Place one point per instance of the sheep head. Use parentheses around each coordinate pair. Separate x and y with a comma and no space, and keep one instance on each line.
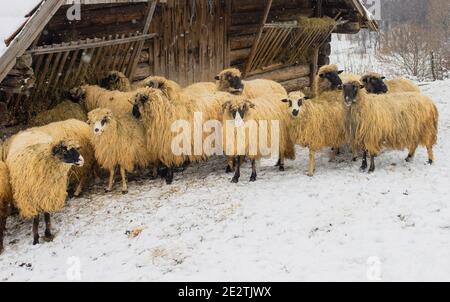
(230,80)
(295,101)
(67,154)
(374,83)
(351,91)
(143,100)
(328,77)
(238,109)
(99,119)
(77,94)
(112,80)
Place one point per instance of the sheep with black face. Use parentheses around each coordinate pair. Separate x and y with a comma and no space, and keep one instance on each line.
(115,80)
(230,80)
(38,177)
(377,84)
(327,79)
(395,121)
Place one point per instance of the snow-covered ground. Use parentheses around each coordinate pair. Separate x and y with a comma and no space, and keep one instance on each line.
(339,225)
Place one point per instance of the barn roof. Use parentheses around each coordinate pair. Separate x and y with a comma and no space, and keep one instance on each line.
(24,20)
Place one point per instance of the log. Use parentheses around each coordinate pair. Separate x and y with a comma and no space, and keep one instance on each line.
(283,74)
(296,84)
(241,42)
(252,5)
(240,54)
(274,16)
(142,71)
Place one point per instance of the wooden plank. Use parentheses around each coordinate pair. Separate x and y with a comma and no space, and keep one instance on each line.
(258,36)
(29,33)
(148,21)
(95,44)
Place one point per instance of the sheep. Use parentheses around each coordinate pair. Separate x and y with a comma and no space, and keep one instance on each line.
(200,88)
(63,111)
(246,112)
(5,200)
(73,130)
(327,79)
(316,123)
(375,83)
(395,121)
(115,80)
(158,114)
(118,140)
(94,97)
(38,176)
(230,80)
(170,88)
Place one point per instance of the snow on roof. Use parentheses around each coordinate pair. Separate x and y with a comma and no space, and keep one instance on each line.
(12,16)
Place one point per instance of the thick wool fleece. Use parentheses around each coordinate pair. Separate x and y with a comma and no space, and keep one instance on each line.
(38,180)
(170,88)
(394,85)
(61,112)
(268,108)
(121,143)
(394,121)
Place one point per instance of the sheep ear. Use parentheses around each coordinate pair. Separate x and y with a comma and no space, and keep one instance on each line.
(285,100)
(362,86)
(307,98)
(250,104)
(383,78)
(217,78)
(321,75)
(340,71)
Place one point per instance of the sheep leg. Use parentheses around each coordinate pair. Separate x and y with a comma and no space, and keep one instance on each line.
(36,229)
(372,163)
(312,163)
(230,165)
(48,227)
(154,174)
(169,176)
(280,163)
(97,178)
(253,176)
(123,174)
(333,154)
(364,161)
(430,154)
(112,173)
(237,172)
(412,152)
(79,189)
(2,230)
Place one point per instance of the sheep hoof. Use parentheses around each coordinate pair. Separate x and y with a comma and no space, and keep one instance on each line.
(430,161)
(253,178)
(281,168)
(354,159)
(371,170)
(235,180)
(48,238)
(108,190)
(35,241)
(169,181)
(228,170)
(408,159)
(124,192)
(310,174)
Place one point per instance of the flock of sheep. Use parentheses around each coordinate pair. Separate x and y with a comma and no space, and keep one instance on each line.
(129,126)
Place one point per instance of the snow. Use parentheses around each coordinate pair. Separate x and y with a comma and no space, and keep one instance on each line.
(340,225)
(12,16)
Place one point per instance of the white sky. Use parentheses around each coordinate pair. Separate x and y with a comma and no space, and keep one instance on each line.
(12,14)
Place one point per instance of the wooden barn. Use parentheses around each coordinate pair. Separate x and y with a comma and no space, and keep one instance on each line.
(61,45)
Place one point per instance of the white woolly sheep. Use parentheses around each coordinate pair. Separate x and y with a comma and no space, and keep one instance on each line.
(118,140)
(38,178)
(316,124)
(249,115)
(376,83)
(395,121)
(230,80)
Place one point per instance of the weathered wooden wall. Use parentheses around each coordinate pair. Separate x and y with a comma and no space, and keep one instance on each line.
(191,44)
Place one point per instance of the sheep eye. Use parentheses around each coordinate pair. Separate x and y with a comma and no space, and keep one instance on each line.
(104,121)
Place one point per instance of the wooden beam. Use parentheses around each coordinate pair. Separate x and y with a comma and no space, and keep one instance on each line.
(258,37)
(95,44)
(29,33)
(148,21)
(315,56)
